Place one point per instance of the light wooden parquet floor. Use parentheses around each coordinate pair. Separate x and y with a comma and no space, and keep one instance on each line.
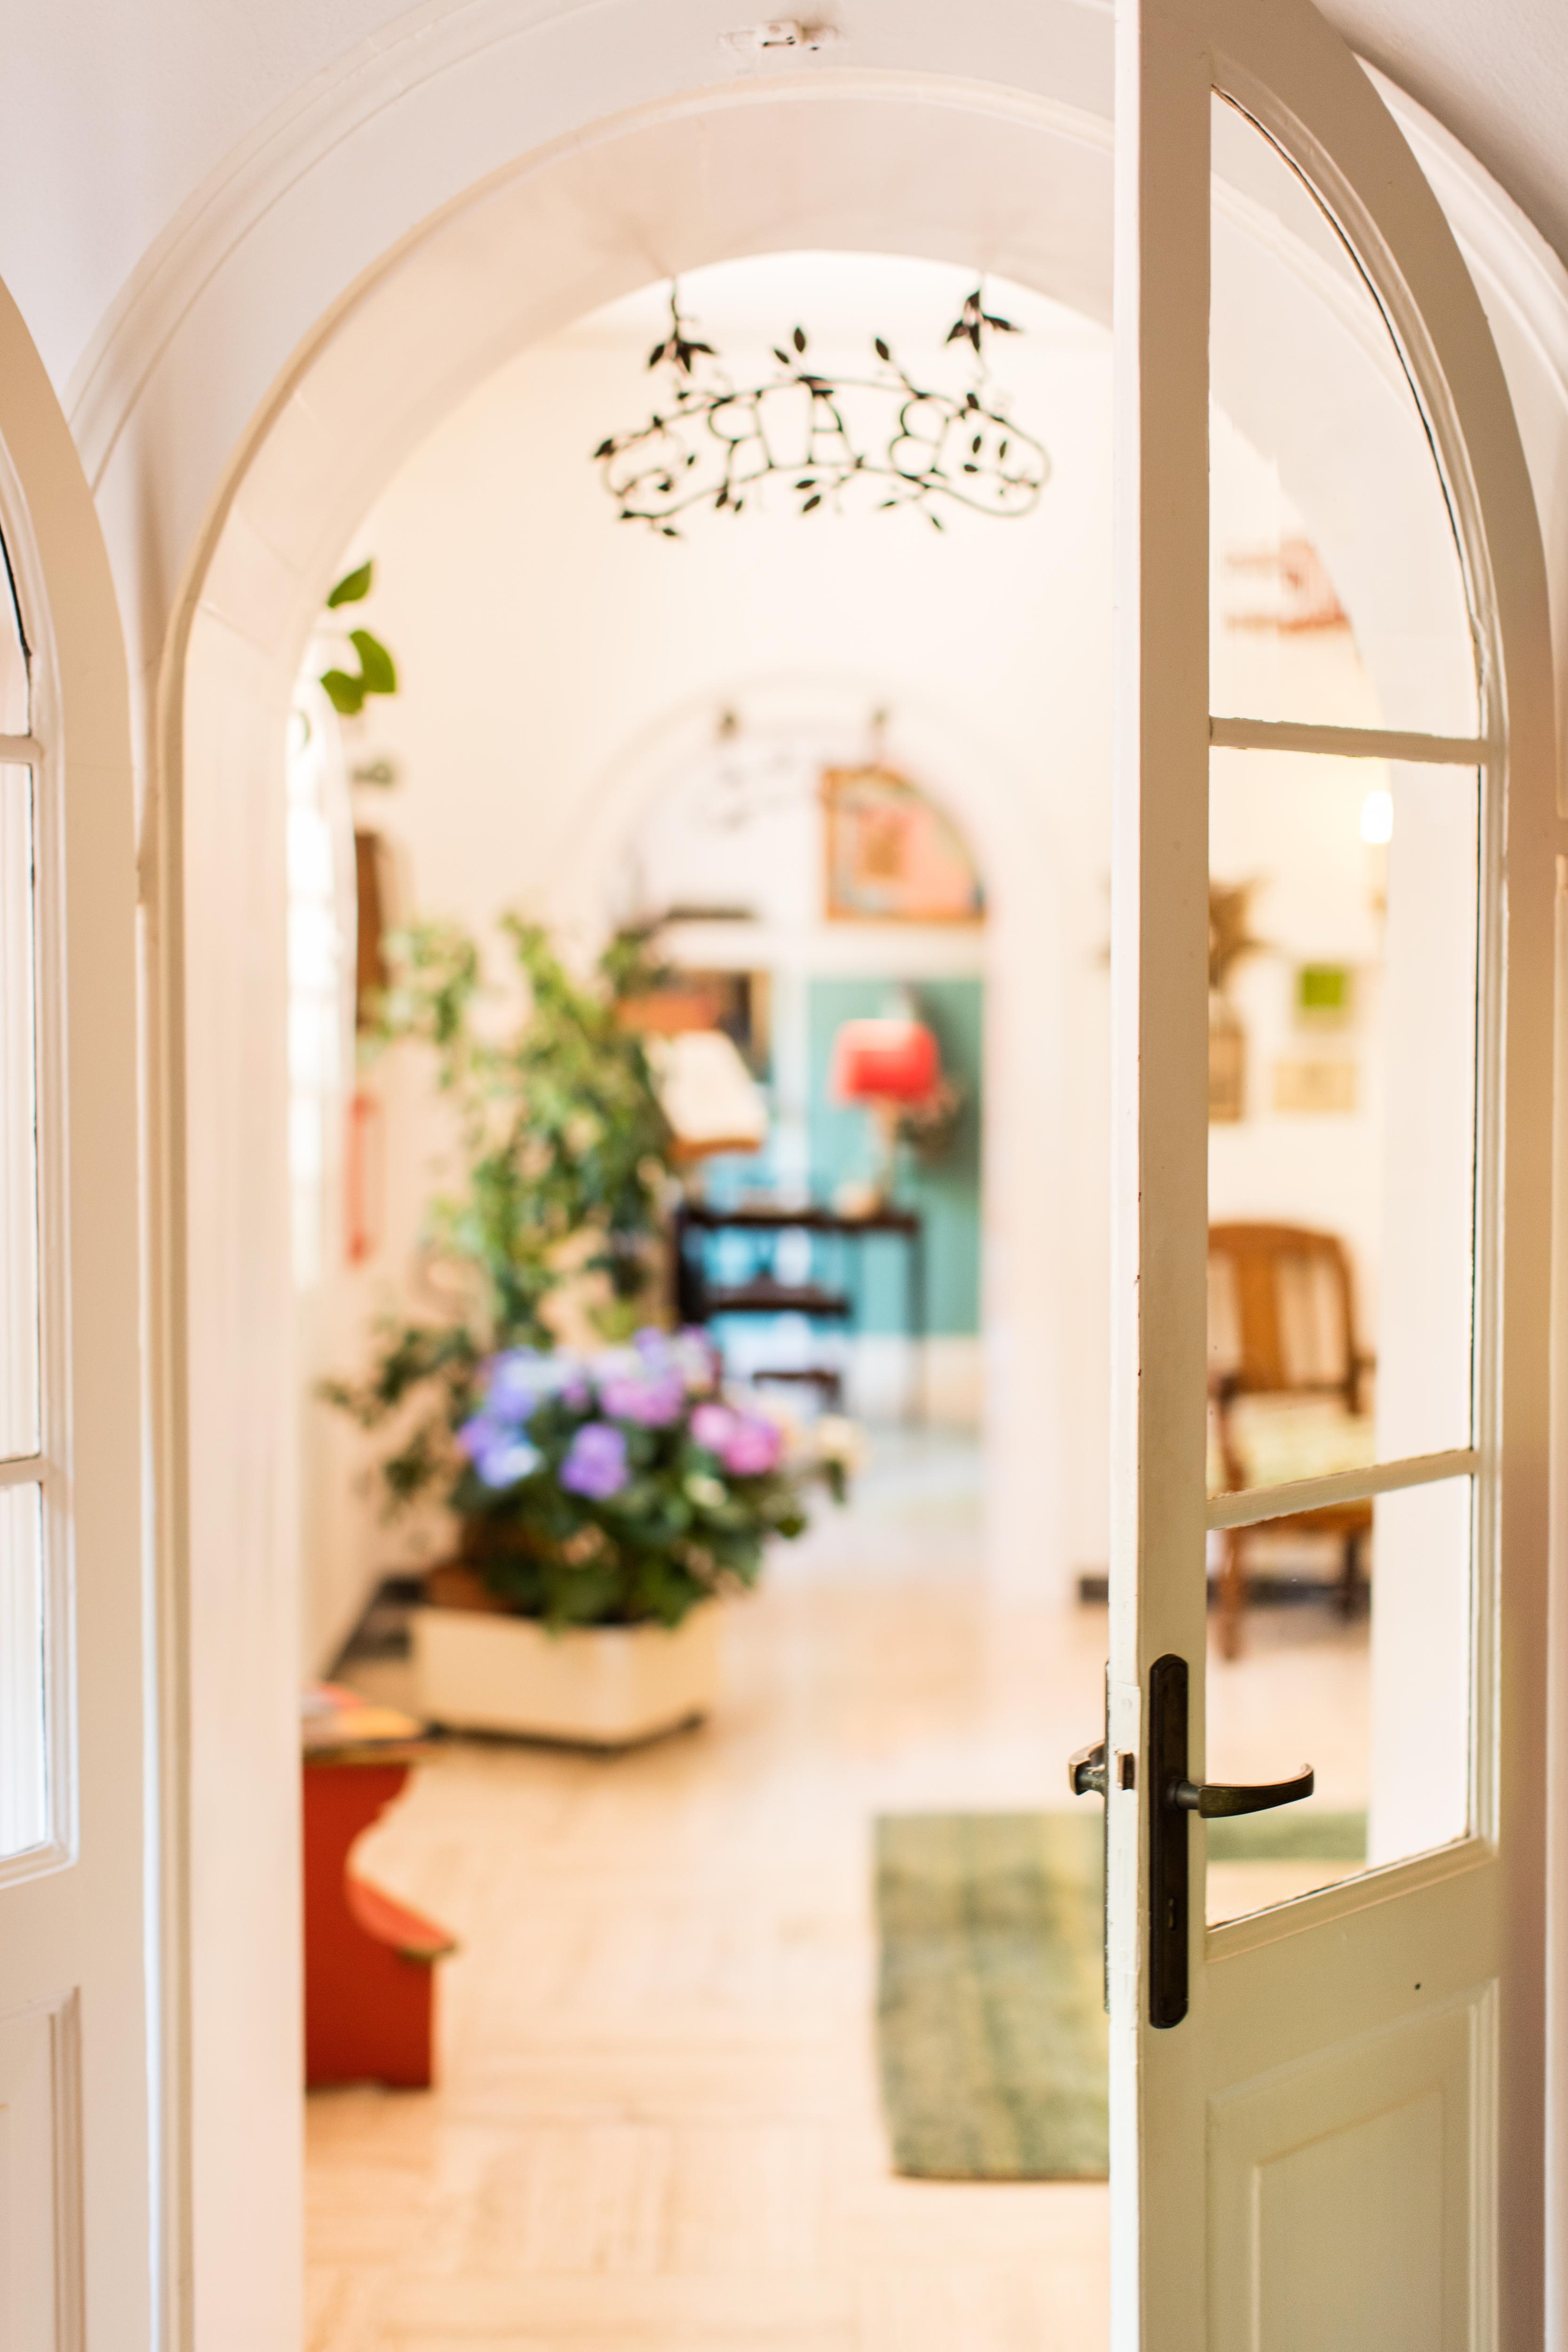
(657,2128)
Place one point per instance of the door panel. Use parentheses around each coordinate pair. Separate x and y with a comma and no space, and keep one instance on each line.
(1359,2027)
(39,2311)
(1339,2195)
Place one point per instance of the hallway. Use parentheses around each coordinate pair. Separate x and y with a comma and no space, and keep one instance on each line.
(658,2123)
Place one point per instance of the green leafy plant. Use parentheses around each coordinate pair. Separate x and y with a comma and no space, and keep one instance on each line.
(349,691)
(565,1156)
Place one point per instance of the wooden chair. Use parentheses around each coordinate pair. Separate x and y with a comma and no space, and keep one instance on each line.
(1281,1328)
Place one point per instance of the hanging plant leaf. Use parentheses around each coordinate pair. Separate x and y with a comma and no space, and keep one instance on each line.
(881,347)
(606,448)
(378,667)
(352,587)
(346,694)
(798,339)
(815,500)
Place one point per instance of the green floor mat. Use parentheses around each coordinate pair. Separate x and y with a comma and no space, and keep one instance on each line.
(990,2032)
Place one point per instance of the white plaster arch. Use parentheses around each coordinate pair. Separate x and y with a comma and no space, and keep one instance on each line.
(974,780)
(1033,883)
(301,327)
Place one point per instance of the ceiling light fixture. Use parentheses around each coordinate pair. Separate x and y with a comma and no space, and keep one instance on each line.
(714,443)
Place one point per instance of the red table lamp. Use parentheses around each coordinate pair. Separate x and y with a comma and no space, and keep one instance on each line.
(887,1064)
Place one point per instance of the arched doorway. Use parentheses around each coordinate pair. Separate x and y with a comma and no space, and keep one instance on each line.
(250,600)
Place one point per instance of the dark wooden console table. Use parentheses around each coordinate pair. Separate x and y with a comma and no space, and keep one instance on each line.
(699,1300)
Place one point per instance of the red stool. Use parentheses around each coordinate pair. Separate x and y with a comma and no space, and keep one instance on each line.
(370,1974)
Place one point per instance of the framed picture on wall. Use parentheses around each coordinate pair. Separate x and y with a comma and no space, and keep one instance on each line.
(892,856)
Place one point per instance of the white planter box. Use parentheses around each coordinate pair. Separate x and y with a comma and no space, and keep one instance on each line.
(601,1685)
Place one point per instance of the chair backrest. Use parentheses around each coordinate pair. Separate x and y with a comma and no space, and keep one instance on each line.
(1281,1312)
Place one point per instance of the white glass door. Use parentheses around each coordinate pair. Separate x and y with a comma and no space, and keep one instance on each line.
(1332,976)
(76,2202)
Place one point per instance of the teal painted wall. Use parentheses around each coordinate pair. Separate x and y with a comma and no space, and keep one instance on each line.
(947,1193)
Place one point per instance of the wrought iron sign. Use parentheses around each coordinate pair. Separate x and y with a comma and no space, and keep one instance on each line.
(714,442)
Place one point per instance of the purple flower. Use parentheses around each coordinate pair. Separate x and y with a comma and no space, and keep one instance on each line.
(509,1463)
(500,1455)
(653,1346)
(713,1425)
(480,1435)
(652,1399)
(519,1379)
(596,1464)
(753,1448)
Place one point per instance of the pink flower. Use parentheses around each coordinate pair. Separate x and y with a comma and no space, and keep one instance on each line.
(713,1425)
(653,1400)
(754,1448)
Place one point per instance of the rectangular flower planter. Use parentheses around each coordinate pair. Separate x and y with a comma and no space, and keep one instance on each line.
(595,1686)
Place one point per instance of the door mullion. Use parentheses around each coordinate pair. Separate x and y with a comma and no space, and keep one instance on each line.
(1412,750)
(1160,1103)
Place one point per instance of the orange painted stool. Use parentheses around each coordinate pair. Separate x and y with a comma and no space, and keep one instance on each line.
(370,1961)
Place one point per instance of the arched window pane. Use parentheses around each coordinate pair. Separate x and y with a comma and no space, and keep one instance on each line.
(15,714)
(23,1713)
(19,1378)
(1336,593)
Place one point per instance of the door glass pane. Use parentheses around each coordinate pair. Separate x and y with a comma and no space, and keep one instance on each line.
(15,699)
(1341,1112)
(1344,899)
(24,1719)
(18,1123)
(1336,591)
(1353,1656)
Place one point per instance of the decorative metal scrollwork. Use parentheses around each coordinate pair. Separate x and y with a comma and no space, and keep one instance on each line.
(714,442)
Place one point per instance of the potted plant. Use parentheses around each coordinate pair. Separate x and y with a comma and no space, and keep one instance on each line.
(606,1500)
(605,1495)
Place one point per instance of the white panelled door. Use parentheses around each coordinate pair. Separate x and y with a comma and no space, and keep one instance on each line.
(75,2174)
(1327,2113)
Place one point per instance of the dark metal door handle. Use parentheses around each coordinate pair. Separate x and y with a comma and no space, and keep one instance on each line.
(1171,1797)
(1213,1800)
